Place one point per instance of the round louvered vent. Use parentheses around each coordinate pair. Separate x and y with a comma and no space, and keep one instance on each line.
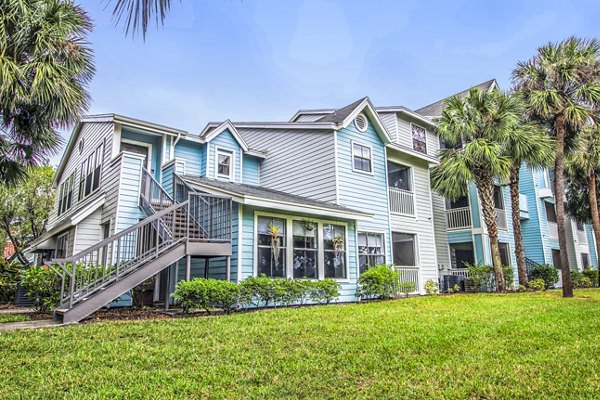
(361,122)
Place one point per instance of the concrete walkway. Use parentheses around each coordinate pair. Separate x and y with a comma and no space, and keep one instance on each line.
(17,310)
(40,323)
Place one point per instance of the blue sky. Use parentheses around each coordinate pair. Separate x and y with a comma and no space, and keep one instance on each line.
(262,60)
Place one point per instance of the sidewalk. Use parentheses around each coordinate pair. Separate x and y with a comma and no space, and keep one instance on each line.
(40,323)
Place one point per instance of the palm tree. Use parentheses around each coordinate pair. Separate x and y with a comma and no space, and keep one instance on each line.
(138,13)
(526,144)
(45,66)
(482,121)
(559,84)
(582,166)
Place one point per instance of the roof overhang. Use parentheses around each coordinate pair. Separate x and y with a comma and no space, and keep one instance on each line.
(365,106)
(412,114)
(311,112)
(265,202)
(207,135)
(415,154)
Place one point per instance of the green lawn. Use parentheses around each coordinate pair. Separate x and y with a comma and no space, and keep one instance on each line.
(6,318)
(465,346)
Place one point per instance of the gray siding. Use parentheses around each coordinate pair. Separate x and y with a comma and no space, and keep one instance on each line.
(404,136)
(441,233)
(300,162)
(88,232)
(390,121)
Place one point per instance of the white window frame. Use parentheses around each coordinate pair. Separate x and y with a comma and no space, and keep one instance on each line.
(226,152)
(370,232)
(353,142)
(412,138)
(148,165)
(415,248)
(361,115)
(289,245)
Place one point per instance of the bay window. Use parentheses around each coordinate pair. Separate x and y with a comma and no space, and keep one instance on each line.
(271,252)
(305,264)
(370,250)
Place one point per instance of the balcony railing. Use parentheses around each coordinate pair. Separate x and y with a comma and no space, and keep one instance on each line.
(553,230)
(402,201)
(458,218)
(409,274)
(501,219)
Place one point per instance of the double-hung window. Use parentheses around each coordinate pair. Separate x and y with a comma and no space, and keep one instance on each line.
(334,239)
(224,164)
(65,199)
(61,246)
(305,264)
(271,252)
(89,177)
(419,137)
(370,250)
(361,158)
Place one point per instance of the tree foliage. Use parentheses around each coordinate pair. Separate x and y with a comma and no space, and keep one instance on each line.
(24,208)
(45,66)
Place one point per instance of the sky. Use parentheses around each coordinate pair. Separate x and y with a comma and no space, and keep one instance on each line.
(252,60)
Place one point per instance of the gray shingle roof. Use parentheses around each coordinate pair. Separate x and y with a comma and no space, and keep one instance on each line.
(339,115)
(265,193)
(435,109)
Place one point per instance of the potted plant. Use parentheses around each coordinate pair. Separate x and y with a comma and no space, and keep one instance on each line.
(309,225)
(338,245)
(275,242)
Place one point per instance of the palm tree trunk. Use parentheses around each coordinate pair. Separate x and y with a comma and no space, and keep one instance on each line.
(486,194)
(516,218)
(594,209)
(559,193)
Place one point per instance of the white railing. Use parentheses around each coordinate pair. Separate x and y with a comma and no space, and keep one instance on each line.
(501,219)
(581,237)
(458,218)
(553,230)
(409,274)
(402,201)
(459,272)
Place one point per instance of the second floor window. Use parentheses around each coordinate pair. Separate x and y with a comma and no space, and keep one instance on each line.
(498,198)
(399,177)
(65,199)
(361,158)
(89,177)
(224,164)
(550,212)
(419,137)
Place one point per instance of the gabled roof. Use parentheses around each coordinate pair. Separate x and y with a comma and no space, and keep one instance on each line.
(435,109)
(317,112)
(407,111)
(209,133)
(264,197)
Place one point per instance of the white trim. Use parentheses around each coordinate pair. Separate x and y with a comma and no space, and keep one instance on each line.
(410,152)
(116,144)
(352,143)
(416,247)
(206,173)
(336,167)
(366,120)
(241,167)
(141,144)
(240,241)
(373,232)
(227,125)
(219,150)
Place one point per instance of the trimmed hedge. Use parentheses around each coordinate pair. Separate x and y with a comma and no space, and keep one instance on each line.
(547,273)
(380,282)
(259,291)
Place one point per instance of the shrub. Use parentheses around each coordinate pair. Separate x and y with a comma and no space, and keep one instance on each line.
(522,288)
(407,287)
(585,282)
(9,277)
(592,275)
(380,282)
(207,294)
(291,291)
(480,275)
(43,287)
(509,276)
(257,290)
(576,277)
(546,272)
(537,284)
(325,291)
(431,287)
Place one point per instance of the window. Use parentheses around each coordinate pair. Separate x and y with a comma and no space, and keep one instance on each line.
(461,202)
(80,146)
(462,254)
(65,199)
(399,176)
(224,164)
(61,245)
(585,260)
(361,157)
(556,261)
(580,227)
(334,245)
(498,198)
(305,264)
(370,250)
(504,254)
(550,212)
(361,123)
(404,249)
(89,177)
(270,263)
(419,137)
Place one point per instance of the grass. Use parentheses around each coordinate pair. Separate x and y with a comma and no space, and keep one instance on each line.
(461,347)
(6,318)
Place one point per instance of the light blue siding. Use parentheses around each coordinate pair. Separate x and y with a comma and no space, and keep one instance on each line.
(592,245)
(128,210)
(193,154)
(155,141)
(251,170)
(531,227)
(224,141)
(460,236)
(167,178)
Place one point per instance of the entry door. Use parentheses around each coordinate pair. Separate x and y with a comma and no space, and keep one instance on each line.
(137,149)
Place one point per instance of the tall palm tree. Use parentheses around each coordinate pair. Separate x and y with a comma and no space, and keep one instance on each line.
(559,84)
(137,14)
(45,66)
(527,144)
(583,164)
(481,120)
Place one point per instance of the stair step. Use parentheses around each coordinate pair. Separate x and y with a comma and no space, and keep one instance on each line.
(61,311)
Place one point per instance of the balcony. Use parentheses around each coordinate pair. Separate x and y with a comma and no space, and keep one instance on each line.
(401,201)
(501,221)
(552,230)
(458,218)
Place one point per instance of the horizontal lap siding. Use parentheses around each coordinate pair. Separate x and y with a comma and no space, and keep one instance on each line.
(390,121)
(93,134)
(463,236)
(88,231)
(404,136)
(441,233)
(531,227)
(225,141)
(250,170)
(154,141)
(110,185)
(128,211)
(298,162)
(592,245)
(167,178)
(194,156)
(508,235)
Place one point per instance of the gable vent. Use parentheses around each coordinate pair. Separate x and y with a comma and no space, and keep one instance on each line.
(361,122)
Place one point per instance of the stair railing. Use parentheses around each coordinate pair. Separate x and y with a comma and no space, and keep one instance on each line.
(110,260)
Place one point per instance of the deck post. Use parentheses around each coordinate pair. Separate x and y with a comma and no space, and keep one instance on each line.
(188,267)
(167,286)
(228,268)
